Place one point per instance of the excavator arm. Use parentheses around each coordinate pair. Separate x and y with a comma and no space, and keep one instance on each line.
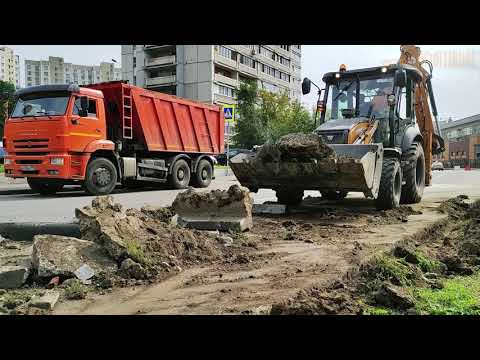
(433,142)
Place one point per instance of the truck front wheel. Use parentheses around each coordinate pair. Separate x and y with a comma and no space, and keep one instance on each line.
(180,176)
(44,186)
(390,185)
(101,177)
(413,174)
(203,176)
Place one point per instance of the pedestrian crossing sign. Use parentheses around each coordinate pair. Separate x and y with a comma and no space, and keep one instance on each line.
(229,113)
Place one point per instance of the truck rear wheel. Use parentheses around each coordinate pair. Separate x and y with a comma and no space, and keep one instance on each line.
(289,196)
(101,177)
(413,174)
(203,176)
(334,195)
(390,185)
(180,177)
(44,186)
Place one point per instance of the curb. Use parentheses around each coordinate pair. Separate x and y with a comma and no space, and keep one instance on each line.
(26,231)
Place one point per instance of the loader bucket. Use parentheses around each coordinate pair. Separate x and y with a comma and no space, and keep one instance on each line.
(354,168)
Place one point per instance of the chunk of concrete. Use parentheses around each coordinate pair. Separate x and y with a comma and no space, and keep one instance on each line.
(14,276)
(221,210)
(45,302)
(271,209)
(15,264)
(55,255)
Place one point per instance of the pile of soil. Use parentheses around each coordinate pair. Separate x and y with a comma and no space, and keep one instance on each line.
(296,146)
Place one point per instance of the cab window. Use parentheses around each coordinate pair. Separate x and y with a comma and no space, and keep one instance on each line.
(92,107)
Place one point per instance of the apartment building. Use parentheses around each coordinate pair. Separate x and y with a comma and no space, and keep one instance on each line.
(211,73)
(9,66)
(56,71)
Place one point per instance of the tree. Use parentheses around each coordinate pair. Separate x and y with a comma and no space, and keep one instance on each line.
(6,101)
(267,116)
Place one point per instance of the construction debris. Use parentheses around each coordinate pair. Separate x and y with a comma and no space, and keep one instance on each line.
(15,264)
(47,301)
(222,210)
(55,255)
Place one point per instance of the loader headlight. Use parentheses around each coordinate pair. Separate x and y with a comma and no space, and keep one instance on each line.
(391,99)
(8,162)
(56,161)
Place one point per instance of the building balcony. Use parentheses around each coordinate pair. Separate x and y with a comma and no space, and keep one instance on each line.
(161,80)
(226,80)
(248,70)
(222,99)
(161,61)
(151,47)
(229,63)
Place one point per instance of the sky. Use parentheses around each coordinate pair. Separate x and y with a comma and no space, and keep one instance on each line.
(455,84)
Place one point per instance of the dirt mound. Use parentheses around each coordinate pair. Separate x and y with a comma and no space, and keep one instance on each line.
(454,207)
(146,237)
(296,146)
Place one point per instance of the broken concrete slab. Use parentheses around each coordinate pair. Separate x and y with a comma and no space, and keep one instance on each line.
(221,210)
(14,276)
(45,302)
(55,255)
(15,264)
(271,209)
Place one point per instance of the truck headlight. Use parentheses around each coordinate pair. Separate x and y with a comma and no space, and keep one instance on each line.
(56,161)
(8,161)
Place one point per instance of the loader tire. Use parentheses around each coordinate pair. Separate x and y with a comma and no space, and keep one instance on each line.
(390,185)
(203,175)
(334,195)
(44,186)
(413,174)
(101,177)
(180,177)
(289,196)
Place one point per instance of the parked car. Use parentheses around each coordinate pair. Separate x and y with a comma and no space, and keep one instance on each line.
(437,165)
(222,158)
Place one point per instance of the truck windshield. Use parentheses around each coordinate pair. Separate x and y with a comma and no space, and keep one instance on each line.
(40,105)
(371,96)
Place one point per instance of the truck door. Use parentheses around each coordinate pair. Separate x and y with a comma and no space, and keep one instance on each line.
(84,130)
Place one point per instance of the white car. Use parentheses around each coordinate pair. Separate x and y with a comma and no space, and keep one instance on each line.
(437,165)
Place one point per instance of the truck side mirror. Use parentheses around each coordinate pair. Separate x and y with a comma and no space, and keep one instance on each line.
(306,85)
(83,106)
(400,79)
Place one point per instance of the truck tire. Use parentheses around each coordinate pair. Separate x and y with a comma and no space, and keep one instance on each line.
(180,177)
(44,186)
(334,195)
(390,185)
(413,174)
(289,196)
(101,177)
(203,175)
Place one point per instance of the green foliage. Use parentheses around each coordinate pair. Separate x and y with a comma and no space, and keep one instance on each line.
(266,116)
(372,310)
(459,296)
(1,168)
(6,99)
(428,265)
(75,290)
(135,252)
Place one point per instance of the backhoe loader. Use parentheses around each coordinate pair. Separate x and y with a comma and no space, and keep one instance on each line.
(378,124)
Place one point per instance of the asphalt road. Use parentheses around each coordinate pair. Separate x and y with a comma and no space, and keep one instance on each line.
(18,204)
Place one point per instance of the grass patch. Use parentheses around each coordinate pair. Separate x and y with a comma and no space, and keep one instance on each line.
(372,310)
(385,268)
(460,296)
(428,265)
(2,169)
(75,290)
(135,252)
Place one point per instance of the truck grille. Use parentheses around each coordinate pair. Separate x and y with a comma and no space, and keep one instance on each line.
(28,162)
(30,143)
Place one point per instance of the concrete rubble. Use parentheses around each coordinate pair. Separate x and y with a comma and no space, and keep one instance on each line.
(15,264)
(45,302)
(55,255)
(222,210)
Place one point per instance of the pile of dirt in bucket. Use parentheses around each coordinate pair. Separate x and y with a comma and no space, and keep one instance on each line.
(296,146)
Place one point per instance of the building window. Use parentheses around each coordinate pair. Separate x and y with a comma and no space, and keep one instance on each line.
(225,52)
(285,47)
(245,60)
(226,91)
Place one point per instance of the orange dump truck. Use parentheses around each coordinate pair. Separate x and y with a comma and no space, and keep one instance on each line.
(101,135)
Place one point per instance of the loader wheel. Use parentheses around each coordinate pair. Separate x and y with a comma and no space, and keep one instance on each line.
(390,185)
(413,174)
(203,176)
(101,177)
(289,196)
(334,195)
(44,186)
(180,177)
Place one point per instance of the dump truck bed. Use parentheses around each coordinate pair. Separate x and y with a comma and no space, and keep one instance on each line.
(163,122)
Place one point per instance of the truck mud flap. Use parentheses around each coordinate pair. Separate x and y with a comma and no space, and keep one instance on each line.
(355,168)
